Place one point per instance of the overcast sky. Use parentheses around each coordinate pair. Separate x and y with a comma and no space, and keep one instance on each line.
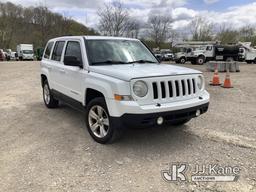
(236,13)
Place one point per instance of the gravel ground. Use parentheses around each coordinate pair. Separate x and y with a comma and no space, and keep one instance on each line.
(50,150)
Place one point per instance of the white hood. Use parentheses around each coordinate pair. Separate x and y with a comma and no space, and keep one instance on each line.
(132,71)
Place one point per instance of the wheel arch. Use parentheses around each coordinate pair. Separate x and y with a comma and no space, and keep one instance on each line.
(43,78)
(91,93)
(201,55)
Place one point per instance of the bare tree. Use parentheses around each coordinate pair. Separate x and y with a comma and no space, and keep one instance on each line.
(227,34)
(132,28)
(247,33)
(200,29)
(159,28)
(113,19)
(10,15)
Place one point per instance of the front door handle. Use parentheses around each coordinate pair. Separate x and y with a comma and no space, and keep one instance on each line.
(62,70)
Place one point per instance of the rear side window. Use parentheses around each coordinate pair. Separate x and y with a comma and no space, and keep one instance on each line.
(48,50)
(74,49)
(56,55)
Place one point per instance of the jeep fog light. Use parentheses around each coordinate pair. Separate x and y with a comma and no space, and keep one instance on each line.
(140,88)
(160,120)
(198,113)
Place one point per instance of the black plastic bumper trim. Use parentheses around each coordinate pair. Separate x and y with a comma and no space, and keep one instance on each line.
(147,120)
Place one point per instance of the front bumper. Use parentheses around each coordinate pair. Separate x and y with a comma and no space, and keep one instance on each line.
(148,120)
(119,108)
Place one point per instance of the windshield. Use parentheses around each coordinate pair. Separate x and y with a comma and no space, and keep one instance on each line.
(118,52)
(27,51)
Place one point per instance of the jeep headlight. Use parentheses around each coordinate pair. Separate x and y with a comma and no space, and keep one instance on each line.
(140,88)
(200,82)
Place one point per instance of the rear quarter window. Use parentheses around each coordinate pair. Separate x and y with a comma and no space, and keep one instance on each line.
(48,50)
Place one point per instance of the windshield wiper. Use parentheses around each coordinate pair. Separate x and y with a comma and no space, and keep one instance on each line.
(109,62)
(142,61)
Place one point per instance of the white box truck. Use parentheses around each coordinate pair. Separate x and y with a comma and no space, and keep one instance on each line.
(25,52)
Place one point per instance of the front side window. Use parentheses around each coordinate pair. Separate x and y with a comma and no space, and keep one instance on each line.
(118,52)
(48,50)
(74,50)
(56,55)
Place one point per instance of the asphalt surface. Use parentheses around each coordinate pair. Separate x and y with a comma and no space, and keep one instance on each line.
(51,150)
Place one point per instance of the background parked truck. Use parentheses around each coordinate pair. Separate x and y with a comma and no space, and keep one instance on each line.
(214,53)
(187,47)
(25,52)
(247,53)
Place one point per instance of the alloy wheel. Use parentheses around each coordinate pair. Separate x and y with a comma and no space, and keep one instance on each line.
(98,121)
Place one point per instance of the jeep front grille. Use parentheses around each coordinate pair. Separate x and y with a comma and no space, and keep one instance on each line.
(174,88)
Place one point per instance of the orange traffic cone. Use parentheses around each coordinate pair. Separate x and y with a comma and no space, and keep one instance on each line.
(227,82)
(216,79)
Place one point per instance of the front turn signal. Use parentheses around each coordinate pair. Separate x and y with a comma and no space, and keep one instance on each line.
(122,97)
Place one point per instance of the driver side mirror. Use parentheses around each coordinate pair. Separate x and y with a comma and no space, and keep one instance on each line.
(72,61)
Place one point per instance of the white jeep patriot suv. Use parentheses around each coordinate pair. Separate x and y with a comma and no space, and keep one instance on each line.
(119,83)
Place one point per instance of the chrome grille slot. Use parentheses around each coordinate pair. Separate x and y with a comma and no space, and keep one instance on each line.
(183,87)
(163,89)
(177,88)
(194,85)
(180,88)
(155,92)
(189,86)
(170,89)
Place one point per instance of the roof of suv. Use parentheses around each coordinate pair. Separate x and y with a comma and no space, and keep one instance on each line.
(96,37)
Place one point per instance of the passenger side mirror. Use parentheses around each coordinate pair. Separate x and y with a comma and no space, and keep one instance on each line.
(72,61)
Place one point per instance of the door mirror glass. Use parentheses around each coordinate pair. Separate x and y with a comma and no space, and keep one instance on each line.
(73,55)
(72,61)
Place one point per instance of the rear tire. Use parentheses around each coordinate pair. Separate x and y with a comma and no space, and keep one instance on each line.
(49,100)
(99,123)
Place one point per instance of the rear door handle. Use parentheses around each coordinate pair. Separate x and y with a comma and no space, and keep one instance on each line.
(49,67)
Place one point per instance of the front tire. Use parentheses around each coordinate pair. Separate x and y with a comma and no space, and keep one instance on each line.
(200,60)
(182,60)
(49,100)
(99,123)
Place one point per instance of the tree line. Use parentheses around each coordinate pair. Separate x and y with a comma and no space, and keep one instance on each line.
(202,30)
(115,20)
(34,25)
